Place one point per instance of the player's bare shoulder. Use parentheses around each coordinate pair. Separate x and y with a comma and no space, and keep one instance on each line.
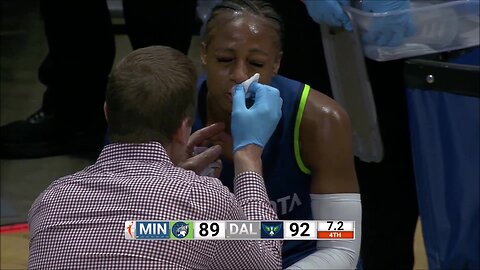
(322,111)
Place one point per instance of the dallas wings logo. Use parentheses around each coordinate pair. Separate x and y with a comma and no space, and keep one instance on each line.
(272,230)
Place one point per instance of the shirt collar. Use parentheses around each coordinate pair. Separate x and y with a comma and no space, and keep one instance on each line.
(149,152)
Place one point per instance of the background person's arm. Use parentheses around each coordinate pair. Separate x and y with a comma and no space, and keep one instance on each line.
(329,12)
(384,30)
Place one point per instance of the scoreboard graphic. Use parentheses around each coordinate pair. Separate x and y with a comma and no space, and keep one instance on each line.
(239,230)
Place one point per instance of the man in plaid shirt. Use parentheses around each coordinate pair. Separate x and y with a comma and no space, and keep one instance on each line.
(146,174)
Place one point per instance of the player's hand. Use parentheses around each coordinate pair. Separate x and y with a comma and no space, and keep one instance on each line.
(202,138)
(256,124)
(388,30)
(329,12)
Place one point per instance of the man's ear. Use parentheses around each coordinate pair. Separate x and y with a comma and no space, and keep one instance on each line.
(105,110)
(203,54)
(183,132)
(276,64)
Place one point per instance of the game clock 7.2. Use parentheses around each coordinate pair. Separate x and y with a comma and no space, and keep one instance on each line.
(335,225)
(335,229)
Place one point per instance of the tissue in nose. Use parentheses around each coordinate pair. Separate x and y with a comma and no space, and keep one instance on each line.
(246,84)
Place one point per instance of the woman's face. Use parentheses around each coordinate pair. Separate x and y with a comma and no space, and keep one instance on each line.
(237,49)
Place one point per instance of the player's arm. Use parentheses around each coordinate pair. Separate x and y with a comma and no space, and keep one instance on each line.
(326,149)
(326,146)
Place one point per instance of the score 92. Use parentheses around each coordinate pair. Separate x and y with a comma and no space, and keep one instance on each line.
(209,230)
(300,230)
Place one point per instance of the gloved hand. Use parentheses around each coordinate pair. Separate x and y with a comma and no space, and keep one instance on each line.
(388,30)
(329,12)
(255,125)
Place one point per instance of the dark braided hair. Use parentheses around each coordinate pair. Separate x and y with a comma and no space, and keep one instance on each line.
(236,7)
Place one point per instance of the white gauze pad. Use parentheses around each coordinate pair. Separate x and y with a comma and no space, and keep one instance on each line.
(246,84)
(210,169)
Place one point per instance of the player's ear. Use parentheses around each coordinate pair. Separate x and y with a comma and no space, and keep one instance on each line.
(203,54)
(182,134)
(105,110)
(276,63)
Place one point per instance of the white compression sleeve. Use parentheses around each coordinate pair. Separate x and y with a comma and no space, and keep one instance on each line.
(335,254)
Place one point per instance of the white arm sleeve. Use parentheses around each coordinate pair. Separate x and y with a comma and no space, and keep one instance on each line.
(335,254)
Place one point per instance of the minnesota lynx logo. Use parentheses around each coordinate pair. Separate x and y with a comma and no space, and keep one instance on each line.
(182,230)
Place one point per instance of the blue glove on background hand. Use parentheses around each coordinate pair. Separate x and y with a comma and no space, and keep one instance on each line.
(329,12)
(389,30)
(255,125)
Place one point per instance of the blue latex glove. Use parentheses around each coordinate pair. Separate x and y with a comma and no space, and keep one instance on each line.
(329,12)
(389,30)
(255,125)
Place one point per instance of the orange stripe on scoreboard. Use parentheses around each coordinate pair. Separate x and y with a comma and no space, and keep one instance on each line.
(334,235)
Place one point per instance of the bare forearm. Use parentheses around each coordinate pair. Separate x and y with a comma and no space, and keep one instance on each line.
(248,159)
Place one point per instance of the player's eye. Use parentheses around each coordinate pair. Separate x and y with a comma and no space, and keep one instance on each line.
(224,59)
(256,64)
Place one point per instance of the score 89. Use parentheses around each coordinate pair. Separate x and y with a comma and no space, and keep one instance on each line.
(204,229)
(209,229)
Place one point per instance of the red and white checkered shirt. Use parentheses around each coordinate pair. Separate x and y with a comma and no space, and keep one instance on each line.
(78,221)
